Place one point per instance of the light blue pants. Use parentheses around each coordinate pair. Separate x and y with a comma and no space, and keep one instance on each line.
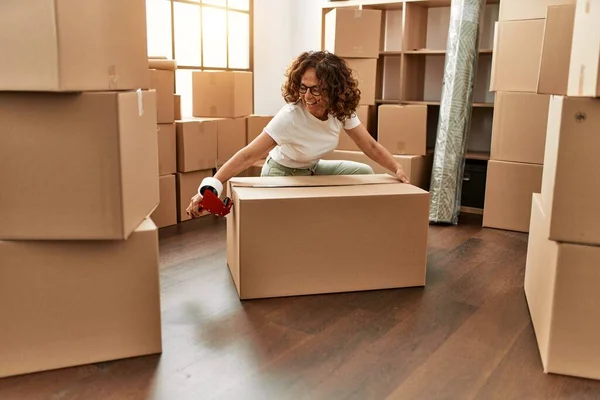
(323,167)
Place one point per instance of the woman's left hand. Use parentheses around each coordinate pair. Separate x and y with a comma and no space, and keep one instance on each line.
(401,175)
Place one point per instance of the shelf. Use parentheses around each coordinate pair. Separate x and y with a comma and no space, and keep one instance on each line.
(424,103)
(437,103)
(438,52)
(390,53)
(470,155)
(376,4)
(477,155)
(386,101)
(426,52)
(390,4)
(471,210)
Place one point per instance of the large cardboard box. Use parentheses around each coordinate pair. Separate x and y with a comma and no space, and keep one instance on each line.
(166,212)
(403,129)
(167,149)
(163,81)
(570,185)
(531,55)
(584,72)
(353,33)
(365,72)
(61,45)
(556,50)
(187,187)
(417,168)
(224,94)
(255,124)
(519,127)
(508,191)
(330,210)
(77,166)
(512,10)
(71,303)
(561,287)
(196,145)
(231,137)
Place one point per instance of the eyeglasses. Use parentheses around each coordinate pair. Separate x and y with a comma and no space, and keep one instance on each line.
(314,90)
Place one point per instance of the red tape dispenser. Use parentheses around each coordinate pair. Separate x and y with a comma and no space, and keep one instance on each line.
(209,190)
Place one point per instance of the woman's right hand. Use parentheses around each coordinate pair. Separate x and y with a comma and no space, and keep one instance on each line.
(193,209)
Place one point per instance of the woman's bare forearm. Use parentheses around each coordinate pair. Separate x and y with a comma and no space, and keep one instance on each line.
(241,161)
(245,157)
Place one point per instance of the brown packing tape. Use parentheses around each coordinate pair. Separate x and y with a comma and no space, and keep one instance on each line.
(167,65)
(212,78)
(212,111)
(358,12)
(113,78)
(313,181)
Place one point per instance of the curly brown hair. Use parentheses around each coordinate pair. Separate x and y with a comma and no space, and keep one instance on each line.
(336,81)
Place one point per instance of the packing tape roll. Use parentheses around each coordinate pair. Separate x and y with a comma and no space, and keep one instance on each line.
(212,182)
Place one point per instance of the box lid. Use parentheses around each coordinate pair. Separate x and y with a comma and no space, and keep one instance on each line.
(257,188)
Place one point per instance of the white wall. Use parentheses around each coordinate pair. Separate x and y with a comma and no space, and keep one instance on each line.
(277,41)
(306,25)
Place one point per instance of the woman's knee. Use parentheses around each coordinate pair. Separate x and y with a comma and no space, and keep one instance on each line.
(363,169)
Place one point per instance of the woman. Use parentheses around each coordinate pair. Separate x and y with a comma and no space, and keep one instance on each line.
(322,97)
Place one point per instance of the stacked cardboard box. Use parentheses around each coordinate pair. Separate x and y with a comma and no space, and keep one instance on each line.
(530,62)
(355,35)
(562,273)
(79,276)
(162,80)
(255,125)
(402,130)
(222,102)
(196,158)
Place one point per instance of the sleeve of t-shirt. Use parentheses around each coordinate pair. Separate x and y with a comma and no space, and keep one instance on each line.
(352,122)
(279,126)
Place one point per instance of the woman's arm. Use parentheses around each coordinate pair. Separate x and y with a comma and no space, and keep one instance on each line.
(376,152)
(244,158)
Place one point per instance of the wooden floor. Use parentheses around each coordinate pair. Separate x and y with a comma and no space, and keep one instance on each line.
(466,335)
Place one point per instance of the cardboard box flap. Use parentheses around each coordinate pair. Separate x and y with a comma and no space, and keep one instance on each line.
(311,181)
(298,187)
(556,50)
(168,65)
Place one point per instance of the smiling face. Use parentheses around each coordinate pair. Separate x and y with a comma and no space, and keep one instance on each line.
(312,96)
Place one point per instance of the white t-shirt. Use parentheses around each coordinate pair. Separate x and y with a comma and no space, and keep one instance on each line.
(302,139)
